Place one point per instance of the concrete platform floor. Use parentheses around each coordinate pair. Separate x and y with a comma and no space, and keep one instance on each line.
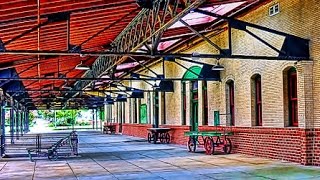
(122,157)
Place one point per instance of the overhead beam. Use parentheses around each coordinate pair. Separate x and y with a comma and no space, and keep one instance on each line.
(139,54)
(146,25)
(96,79)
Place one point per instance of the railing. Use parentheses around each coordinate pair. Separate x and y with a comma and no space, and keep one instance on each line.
(38,142)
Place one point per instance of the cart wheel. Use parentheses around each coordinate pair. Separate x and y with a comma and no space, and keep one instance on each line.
(167,138)
(228,146)
(53,155)
(209,146)
(162,137)
(149,137)
(192,144)
(155,137)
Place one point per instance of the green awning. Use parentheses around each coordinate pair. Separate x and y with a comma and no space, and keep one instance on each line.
(191,73)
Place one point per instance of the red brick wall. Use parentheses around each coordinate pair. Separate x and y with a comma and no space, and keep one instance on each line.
(314,147)
(289,144)
(137,130)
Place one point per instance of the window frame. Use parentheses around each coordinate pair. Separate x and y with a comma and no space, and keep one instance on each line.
(258,100)
(230,85)
(184,102)
(293,97)
(205,103)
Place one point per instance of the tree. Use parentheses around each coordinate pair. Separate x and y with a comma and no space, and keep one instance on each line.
(31,117)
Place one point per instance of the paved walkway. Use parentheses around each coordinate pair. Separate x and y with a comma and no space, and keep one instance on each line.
(122,157)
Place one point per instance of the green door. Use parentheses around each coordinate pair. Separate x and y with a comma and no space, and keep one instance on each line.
(194,117)
(143,114)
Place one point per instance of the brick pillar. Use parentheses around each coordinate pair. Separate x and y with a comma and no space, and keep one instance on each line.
(305,111)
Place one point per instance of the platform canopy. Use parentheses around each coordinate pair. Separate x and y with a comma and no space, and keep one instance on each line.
(53,52)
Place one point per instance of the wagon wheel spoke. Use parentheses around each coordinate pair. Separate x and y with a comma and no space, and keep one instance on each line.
(227,146)
(149,137)
(192,144)
(162,137)
(167,138)
(209,146)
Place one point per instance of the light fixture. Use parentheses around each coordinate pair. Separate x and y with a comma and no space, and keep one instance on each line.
(135,75)
(148,4)
(195,56)
(121,98)
(159,79)
(137,93)
(82,67)
(165,86)
(218,67)
(60,75)
(66,86)
(2,47)
(7,106)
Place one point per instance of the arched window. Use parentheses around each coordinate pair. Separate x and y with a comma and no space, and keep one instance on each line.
(205,102)
(192,73)
(292,97)
(256,100)
(230,103)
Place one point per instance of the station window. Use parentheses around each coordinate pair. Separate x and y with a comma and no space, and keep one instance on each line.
(230,103)
(163,108)
(274,9)
(292,97)
(184,103)
(205,102)
(258,100)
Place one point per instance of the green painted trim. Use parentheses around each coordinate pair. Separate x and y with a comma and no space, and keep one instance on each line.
(189,75)
(143,114)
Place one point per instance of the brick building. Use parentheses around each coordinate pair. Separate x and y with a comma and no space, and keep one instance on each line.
(272,106)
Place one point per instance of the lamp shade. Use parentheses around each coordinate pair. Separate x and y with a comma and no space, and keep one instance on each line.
(7,106)
(145,3)
(137,94)
(82,67)
(208,72)
(165,86)
(121,98)
(135,75)
(66,86)
(218,67)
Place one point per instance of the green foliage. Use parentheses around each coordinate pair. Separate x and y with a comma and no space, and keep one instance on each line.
(51,125)
(66,117)
(31,118)
(83,123)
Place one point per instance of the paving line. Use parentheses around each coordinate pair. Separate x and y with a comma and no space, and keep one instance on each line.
(102,167)
(34,169)
(138,166)
(171,164)
(230,159)
(3,166)
(114,154)
(72,170)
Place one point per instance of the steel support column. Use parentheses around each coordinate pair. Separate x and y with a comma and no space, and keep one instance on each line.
(27,118)
(93,119)
(21,122)
(17,123)
(3,131)
(12,122)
